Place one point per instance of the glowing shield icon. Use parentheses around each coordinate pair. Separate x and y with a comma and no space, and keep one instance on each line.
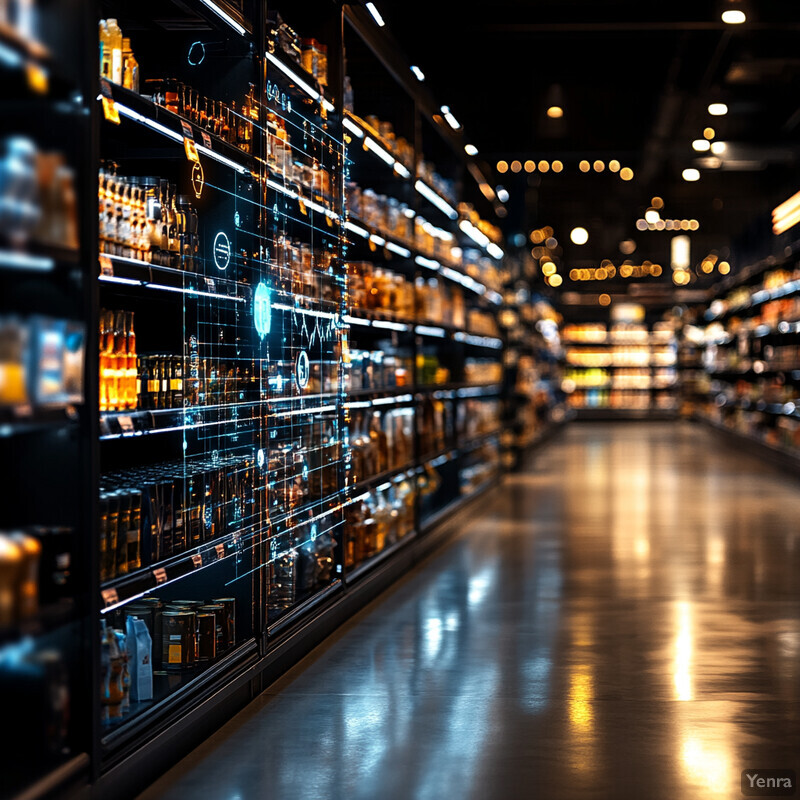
(262,310)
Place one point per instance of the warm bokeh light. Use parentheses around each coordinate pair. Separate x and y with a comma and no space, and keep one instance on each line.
(657,202)
(651,216)
(724,267)
(604,300)
(641,224)
(709,133)
(537,236)
(548,268)
(707,266)
(656,270)
(733,16)
(573,274)
(584,166)
(557,166)
(718,109)
(693,224)
(555,112)
(556,280)
(530,166)
(544,166)
(502,166)
(627,246)
(701,145)
(579,235)
(614,165)
(691,174)
(598,165)
(516,166)
(718,148)
(626,173)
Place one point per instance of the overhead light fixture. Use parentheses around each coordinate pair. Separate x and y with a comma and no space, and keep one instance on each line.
(419,74)
(555,112)
(733,16)
(680,252)
(451,120)
(376,15)
(701,145)
(786,215)
(470,149)
(718,148)
(579,236)
(718,109)
(691,174)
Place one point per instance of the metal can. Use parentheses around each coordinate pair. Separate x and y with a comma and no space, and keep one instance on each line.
(179,640)
(206,636)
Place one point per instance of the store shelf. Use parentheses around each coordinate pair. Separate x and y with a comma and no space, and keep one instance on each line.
(388,477)
(298,77)
(38,258)
(789,459)
(757,300)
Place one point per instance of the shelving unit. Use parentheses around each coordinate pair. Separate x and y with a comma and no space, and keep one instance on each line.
(625,372)
(747,381)
(263,433)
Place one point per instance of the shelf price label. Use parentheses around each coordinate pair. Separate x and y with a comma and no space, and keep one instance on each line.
(197,560)
(110,597)
(106,267)
(220,548)
(160,575)
(109,107)
(188,143)
(206,140)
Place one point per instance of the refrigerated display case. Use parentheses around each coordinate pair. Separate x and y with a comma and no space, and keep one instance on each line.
(243,387)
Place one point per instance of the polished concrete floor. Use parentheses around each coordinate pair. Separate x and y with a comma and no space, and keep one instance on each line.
(623,623)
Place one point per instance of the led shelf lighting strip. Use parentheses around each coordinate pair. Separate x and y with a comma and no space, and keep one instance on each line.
(306,87)
(177,137)
(433,198)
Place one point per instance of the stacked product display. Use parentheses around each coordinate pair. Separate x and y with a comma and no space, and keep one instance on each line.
(746,375)
(265,364)
(627,368)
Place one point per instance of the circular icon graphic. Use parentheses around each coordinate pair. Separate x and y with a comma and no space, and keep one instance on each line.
(222,251)
(262,310)
(260,457)
(198,179)
(302,369)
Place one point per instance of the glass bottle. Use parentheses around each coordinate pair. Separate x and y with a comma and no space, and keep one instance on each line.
(130,393)
(115,45)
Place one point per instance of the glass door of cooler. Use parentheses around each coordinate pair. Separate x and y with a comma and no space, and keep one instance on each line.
(184,334)
(307,343)
(45,555)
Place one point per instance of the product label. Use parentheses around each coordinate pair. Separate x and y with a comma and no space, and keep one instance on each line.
(206,140)
(197,560)
(160,575)
(175,384)
(174,654)
(106,267)
(110,597)
(125,423)
(220,551)
(152,385)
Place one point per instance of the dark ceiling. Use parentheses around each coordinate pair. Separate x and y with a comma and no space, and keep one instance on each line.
(636,80)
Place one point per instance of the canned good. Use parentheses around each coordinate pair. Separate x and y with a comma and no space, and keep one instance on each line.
(230,609)
(179,640)
(206,636)
(221,623)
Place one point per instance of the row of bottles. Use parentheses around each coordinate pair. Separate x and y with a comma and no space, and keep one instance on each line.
(231,124)
(144,218)
(153,513)
(378,369)
(305,271)
(118,369)
(380,441)
(377,521)
(117,62)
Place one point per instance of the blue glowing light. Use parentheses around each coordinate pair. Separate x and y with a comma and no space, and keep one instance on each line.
(302,370)
(262,310)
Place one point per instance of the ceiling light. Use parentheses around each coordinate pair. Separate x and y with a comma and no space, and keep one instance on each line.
(470,149)
(680,252)
(614,165)
(530,166)
(651,216)
(786,215)
(502,194)
(555,112)
(709,133)
(701,145)
(691,174)
(579,235)
(543,166)
(718,109)
(733,16)
(502,166)
(584,166)
(376,15)
(418,72)
(599,166)
(626,173)
(451,120)
(718,148)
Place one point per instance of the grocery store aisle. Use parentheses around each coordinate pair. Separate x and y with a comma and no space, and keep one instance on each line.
(624,622)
